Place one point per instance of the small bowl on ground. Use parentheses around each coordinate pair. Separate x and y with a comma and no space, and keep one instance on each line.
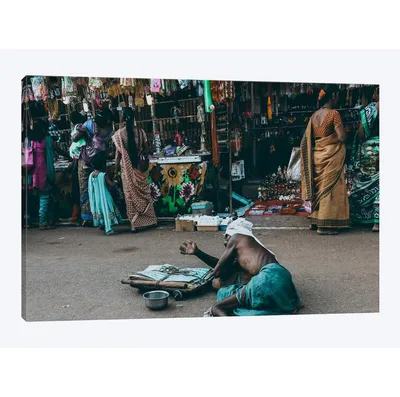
(156,300)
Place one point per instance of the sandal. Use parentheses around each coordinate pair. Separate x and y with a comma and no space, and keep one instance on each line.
(327,232)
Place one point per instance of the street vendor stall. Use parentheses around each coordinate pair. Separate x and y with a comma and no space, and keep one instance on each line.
(176,182)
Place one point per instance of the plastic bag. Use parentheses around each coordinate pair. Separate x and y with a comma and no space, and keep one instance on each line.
(294,170)
(39,88)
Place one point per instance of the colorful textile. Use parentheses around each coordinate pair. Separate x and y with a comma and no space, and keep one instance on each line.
(39,88)
(138,198)
(75,148)
(155,85)
(174,187)
(94,143)
(105,212)
(364,195)
(322,175)
(270,292)
(46,210)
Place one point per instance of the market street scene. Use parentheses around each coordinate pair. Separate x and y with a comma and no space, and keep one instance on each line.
(154,198)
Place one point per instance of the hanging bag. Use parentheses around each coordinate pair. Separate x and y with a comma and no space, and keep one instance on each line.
(27,155)
(294,170)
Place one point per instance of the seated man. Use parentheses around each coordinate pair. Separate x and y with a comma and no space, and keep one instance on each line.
(248,277)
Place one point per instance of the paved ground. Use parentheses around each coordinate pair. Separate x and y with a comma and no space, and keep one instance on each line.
(74,273)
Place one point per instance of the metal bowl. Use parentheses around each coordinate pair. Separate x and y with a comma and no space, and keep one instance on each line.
(156,300)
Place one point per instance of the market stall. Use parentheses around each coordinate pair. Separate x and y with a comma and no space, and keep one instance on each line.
(235,137)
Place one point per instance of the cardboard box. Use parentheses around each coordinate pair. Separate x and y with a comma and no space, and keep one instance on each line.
(184,226)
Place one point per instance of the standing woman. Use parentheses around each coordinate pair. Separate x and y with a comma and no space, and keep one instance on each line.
(132,156)
(42,177)
(96,132)
(364,197)
(322,166)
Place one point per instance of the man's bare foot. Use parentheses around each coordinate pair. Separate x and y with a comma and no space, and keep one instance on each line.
(376,227)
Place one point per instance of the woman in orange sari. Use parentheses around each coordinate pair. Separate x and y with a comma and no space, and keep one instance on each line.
(322,166)
(132,157)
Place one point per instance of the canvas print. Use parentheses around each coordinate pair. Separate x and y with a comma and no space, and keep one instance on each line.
(162,198)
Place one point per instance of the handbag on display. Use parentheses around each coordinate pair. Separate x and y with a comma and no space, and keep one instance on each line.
(27,155)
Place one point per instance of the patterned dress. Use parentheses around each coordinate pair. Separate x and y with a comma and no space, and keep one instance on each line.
(364,196)
(138,198)
(323,180)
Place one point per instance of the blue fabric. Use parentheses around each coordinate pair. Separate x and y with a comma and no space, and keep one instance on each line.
(45,205)
(91,128)
(104,211)
(270,292)
(89,125)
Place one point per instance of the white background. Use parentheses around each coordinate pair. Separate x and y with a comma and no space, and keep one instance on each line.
(203,25)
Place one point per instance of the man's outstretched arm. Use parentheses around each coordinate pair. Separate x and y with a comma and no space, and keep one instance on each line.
(190,248)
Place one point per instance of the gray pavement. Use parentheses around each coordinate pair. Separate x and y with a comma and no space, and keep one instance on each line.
(74,273)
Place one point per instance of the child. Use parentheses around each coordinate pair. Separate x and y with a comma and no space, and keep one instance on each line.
(105,212)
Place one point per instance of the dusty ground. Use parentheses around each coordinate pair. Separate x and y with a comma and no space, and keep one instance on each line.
(75,273)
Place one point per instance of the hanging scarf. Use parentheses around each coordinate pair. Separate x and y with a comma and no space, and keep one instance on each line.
(139,94)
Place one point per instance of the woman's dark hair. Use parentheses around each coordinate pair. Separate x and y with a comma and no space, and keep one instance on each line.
(128,115)
(39,132)
(103,118)
(99,161)
(77,118)
(329,90)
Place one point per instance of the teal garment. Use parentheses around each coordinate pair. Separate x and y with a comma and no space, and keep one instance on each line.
(46,206)
(75,148)
(270,292)
(104,211)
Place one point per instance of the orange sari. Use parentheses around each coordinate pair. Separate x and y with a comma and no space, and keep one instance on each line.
(323,181)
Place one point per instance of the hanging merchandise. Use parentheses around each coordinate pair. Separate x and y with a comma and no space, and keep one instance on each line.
(214,140)
(54,88)
(68,87)
(183,83)
(155,85)
(200,88)
(209,107)
(39,88)
(238,171)
(139,94)
(293,170)
(218,91)
(27,94)
(149,98)
(53,109)
(127,82)
(269,109)
(95,83)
